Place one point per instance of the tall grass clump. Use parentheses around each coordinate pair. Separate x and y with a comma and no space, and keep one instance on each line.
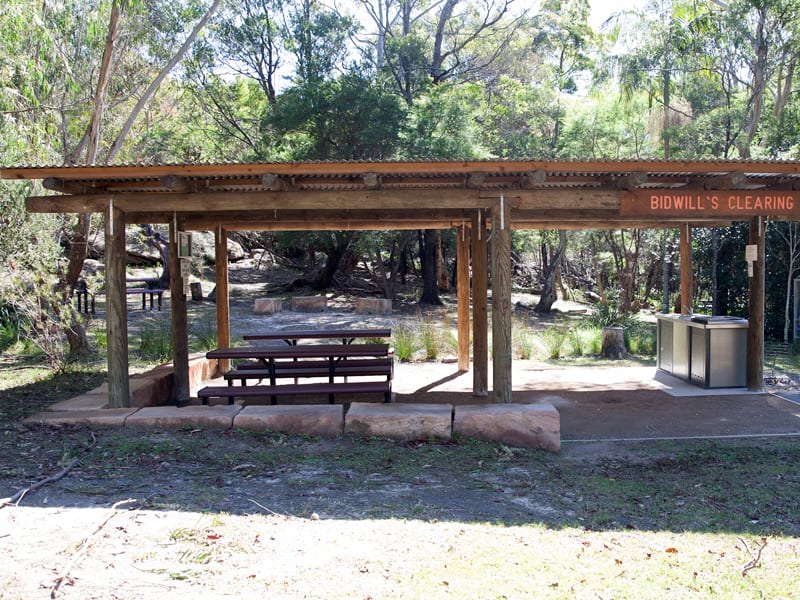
(554,339)
(577,344)
(428,335)
(206,335)
(641,339)
(155,340)
(523,341)
(404,342)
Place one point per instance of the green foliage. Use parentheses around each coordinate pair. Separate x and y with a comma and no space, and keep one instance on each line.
(155,340)
(609,313)
(522,340)
(404,342)
(554,338)
(10,325)
(444,124)
(205,335)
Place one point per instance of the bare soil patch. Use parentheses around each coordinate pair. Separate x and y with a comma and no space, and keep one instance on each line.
(237,514)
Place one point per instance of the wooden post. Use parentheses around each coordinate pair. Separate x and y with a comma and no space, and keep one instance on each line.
(180,322)
(462,284)
(223,303)
(687,279)
(480,318)
(116,310)
(755,309)
(501,302)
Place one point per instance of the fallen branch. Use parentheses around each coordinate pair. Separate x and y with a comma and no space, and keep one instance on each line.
(754,558)
(272,512)
(17,498)
(84,545)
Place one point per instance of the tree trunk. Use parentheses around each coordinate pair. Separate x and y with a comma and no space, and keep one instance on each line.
(162,246)
(430,283)
(549,296)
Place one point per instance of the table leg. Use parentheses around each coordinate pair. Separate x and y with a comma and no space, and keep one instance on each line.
(331,373)
(272,379)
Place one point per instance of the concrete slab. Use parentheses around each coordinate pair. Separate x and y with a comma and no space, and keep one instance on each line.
(88,401)
(400,421)
(106,417)
(323,420)
(187,417)
(521,425)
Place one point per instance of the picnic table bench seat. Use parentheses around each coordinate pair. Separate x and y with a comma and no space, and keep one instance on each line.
(359,387)
(292,371)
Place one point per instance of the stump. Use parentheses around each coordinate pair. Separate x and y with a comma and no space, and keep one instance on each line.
(613,343)
(197,291)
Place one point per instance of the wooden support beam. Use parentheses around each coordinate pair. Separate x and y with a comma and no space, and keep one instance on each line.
(480,317)
(222,297)
(501,302)
(176,183)
(687,275)
(116,310)
(372,181)
(475,179)
(631,180)
(728,181)
(755,309)
(384,199)
(533,179)
(274,183)
(463,235)
(70,187)
(180,322)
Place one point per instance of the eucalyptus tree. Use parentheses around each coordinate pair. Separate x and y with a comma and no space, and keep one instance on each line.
(661,47)
(96,67)
(756,55)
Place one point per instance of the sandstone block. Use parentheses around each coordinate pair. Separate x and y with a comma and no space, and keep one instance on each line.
(187,417)
(324,420)
(107,417)
(147,391)
(400,421)
(373,306)
(309,303)
(88,401)
(267,306)
(521,425)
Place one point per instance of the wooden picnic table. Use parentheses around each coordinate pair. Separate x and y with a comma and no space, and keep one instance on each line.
(335,356)
(293,336)
(150,281)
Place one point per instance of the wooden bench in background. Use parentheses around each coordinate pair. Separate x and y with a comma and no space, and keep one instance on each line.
(144,292)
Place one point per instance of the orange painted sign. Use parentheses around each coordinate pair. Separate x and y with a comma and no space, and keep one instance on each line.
(710,203)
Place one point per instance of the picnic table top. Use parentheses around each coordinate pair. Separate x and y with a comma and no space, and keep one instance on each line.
(319,334)
(301,351)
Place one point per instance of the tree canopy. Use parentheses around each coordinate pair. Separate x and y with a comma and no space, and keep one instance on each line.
(127,81)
